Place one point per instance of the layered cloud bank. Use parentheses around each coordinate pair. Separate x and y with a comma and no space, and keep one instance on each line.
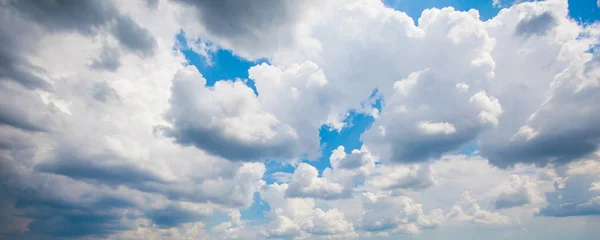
(107,131)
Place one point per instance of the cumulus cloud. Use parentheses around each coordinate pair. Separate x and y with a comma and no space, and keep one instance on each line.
(388,213)
(307,183)
(574,192)
(469,210)
(226,120)
(517,191)
(292,217)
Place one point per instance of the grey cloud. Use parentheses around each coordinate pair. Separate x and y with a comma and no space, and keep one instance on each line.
(213,141)
(17,118)
(60,15)
(536,25)
(152,3)
(134,37)
(108,60)
(14,66)
(104,169)
(505,200)
(249,26)
(566,128)
(53,213)
(104,92)
(423,148)
(172,216)
(572,199)
(85,17)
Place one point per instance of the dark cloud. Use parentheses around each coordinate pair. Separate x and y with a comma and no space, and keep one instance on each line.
(505,200)
(14,66)
(172,216)
(19,37)
(104,92)
(573,199)
(152,3)
(536,25)
(567,130)
(134,37)
(49,203)
(60,15)
(423,148)
(108,60)
(214,141)
(250,26)
(17,118)
(103,169)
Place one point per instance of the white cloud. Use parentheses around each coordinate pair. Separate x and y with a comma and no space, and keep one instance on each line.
(226,120)
(595,187)
(517,191)
(437,127)
(292,217)
(307,183)
(402,177)
(490,107)
(388,213)
(468,210)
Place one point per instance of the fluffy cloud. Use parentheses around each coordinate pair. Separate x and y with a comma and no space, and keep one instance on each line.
(300,217)
(306,183)
(226,120)
(389,213)
(517,191)
(469,210)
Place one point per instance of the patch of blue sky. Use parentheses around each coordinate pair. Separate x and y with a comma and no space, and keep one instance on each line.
(414,8)
(224,64)
(469,149)
(256,212)
(584,11)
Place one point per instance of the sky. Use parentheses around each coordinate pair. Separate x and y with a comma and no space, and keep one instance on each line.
(342,119)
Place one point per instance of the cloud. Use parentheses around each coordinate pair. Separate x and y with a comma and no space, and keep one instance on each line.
(34,19)
(574,192)
(518,191)
(252,29)
(383,213)
(108,60)
(413,177)
(134,37)
(107,132)
(306,183)
(536,25)
(226,120)
(474,213)
(293,217)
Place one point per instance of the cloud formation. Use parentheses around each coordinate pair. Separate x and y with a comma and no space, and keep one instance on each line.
(109,131)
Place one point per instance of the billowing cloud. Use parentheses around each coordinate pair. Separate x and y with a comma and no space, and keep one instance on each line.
(226,120)
(517,191)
